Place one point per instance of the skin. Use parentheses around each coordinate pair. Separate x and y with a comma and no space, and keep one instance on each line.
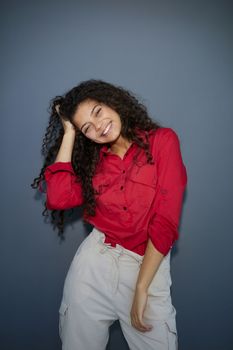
(84,115)
(92,117)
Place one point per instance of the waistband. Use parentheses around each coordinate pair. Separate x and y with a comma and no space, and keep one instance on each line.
(99,236)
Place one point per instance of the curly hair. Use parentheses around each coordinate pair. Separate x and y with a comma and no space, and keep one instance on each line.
(85,154)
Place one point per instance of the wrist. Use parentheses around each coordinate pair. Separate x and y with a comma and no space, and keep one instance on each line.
(69,133)
(141,287)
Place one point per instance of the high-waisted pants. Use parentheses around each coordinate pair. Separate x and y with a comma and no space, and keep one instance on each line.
(99,289)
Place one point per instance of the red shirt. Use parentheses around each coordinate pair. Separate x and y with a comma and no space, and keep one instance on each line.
(135,201)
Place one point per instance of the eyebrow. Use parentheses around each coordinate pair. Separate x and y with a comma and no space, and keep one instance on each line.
(90,115)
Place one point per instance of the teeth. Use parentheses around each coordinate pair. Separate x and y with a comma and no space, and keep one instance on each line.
(106,130)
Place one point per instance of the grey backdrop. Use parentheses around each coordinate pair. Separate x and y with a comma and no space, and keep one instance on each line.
(177,57)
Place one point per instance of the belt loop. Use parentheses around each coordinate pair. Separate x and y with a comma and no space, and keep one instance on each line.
(103,249)
(104,246)
(121,250)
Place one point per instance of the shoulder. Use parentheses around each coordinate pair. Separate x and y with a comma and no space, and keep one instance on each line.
(163,135)
(162,139)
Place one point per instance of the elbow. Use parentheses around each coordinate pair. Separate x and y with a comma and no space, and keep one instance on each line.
(55,204)
(64,203)
(163,234)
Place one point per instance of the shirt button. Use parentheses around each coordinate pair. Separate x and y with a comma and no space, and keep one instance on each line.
(122,187)
(125,208)
(123,171)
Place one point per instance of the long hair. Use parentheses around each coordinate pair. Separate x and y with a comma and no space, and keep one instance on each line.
(86,153)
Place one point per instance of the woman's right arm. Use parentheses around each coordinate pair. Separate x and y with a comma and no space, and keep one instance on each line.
(62,190)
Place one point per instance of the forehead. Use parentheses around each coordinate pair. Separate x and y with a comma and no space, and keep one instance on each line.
(84,109)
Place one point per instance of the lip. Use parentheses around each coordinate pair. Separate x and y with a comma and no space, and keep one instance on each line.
(110,123)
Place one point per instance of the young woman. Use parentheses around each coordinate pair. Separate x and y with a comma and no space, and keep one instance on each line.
(103,152)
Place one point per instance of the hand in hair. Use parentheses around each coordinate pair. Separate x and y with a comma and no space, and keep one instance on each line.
(67,125)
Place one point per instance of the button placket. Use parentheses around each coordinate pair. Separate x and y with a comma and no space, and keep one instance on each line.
(122,187)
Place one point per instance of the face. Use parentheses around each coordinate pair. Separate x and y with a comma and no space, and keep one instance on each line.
(97,121)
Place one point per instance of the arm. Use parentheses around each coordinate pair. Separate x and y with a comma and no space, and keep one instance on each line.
(63,190)
(150,264)
(66,148)
(163,225)
(172,181)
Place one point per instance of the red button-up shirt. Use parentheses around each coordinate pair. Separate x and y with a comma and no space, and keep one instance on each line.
(135,201)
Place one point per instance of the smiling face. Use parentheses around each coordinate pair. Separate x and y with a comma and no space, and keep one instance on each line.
(97,121)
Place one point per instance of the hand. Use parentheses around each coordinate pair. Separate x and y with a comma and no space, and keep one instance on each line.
(67,125)
(137,309)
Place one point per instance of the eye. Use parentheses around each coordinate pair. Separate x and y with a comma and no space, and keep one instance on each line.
(98,111)
(86,129)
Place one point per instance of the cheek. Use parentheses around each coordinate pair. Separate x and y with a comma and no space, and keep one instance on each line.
(119,122)
(116,120)
(119,125)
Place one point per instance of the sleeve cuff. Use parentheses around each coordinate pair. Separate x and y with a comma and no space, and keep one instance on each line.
(60,166)
(162,248)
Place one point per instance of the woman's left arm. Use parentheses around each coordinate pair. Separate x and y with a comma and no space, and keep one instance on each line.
(149,266)
(164,222)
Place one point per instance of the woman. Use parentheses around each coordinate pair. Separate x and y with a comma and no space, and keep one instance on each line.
(103,152)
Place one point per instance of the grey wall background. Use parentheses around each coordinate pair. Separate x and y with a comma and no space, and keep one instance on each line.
(177,57)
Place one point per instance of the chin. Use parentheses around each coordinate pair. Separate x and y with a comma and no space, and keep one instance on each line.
(114,138)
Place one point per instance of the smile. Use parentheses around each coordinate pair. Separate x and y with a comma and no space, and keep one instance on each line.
(106,130)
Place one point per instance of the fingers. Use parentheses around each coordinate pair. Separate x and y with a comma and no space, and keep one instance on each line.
(67,125)
(137,310)
(57,109)
(139,324)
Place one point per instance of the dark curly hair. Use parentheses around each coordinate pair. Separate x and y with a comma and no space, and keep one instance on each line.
(85,155)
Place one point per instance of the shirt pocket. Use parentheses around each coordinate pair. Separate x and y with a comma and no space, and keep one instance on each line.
(142,182)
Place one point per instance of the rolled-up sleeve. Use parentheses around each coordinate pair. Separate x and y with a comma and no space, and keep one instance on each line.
(63,191)
(171,183)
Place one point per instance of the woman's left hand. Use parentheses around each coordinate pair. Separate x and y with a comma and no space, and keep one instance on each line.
(137,309)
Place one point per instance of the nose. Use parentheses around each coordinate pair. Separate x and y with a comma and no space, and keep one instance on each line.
(98,125)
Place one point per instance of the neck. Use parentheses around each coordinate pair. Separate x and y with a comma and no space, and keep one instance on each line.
(120,145)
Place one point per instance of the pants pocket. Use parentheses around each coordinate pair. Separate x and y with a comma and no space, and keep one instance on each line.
(78,283)
(172,334)
(62,316)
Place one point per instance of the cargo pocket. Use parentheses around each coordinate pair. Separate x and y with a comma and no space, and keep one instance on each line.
(62,317)
(172,336)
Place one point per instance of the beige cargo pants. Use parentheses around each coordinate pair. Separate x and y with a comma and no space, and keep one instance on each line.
(99,289)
